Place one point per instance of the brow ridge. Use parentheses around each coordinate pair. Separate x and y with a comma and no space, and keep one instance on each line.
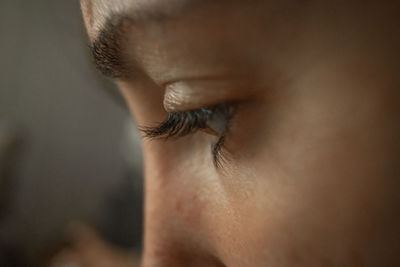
(108,48)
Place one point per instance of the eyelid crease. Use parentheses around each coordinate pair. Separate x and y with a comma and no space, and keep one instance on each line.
(195,94)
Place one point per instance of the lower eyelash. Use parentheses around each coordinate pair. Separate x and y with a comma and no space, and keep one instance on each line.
(218,152)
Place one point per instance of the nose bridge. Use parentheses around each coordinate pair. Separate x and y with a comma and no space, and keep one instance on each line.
(174,231)
(160,254)
(167,240)
(160,234)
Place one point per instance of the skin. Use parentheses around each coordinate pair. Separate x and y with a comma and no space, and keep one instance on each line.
(311,175)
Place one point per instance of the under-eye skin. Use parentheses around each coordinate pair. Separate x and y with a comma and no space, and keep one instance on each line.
(212,120)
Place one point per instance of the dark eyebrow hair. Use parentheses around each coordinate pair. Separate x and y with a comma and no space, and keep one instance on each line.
(108,48)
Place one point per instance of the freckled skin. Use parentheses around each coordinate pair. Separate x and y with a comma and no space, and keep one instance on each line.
(313,172)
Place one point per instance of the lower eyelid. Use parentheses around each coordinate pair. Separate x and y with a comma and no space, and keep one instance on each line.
(211,131)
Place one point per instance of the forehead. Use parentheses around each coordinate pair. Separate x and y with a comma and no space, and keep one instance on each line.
(96,12)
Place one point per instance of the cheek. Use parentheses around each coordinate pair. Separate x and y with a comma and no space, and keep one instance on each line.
(312,176)
(325,173)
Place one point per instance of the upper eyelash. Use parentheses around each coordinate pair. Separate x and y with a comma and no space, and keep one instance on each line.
(185,123)
(178,124)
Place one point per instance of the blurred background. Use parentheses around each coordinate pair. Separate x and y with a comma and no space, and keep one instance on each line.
(70,159)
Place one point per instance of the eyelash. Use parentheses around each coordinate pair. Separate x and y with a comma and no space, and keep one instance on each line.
(179,124)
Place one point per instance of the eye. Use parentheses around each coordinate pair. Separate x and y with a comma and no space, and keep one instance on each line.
(218,119)
(212,120)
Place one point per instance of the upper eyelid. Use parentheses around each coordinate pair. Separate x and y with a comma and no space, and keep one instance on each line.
(195,94)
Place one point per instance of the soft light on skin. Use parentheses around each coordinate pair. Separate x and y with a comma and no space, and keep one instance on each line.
(313,173)
(195,94)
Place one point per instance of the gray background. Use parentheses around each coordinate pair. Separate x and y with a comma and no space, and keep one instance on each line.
(72,127)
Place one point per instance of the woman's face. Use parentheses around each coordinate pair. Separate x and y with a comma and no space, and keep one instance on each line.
(293,113)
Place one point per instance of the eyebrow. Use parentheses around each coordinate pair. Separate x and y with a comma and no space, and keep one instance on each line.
(108,48)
